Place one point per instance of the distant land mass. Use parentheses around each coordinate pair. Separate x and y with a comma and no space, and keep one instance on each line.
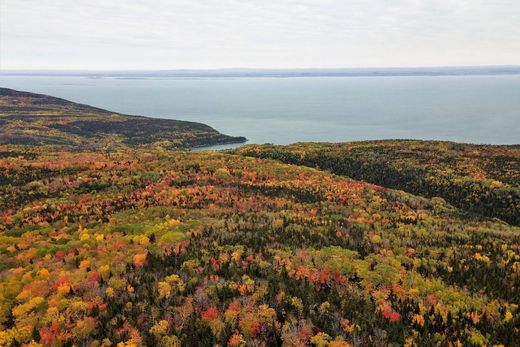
(36,119)
(312,72)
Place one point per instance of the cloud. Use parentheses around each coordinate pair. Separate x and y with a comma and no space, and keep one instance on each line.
(163,34)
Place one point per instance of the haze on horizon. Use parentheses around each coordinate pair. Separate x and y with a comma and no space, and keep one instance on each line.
(209,34)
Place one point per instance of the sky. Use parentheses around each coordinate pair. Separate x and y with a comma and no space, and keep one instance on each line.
(210,34)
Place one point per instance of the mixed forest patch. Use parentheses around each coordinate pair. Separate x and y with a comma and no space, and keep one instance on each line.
(482,179)
(164,248)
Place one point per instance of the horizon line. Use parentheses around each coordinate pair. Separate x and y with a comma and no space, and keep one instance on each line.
(514,66)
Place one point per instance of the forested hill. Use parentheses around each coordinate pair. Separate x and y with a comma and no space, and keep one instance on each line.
(144,247)
(479,178)
(35,119)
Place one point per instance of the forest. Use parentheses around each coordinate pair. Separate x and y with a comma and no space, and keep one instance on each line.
(481,179)
(387,243)
(178,248)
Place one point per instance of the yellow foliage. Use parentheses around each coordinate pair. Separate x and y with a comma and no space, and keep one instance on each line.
(376,238)
(321,339)
(173,222)
(84,328)
(164,289)
(104,271)
(78,306)
(249,282)
(482,258)
(160,328)
(143,240)
(477,339)
(44,273)
(418,319)
(170,341)
(63,289)
(280,296)
(222,173)
(230,316)
(24,295)
(27,277)
(277,224)
(176,281)
(236,255)
(297,303)
(110,292)
(324,307)
(266,314)
(52,314)
(508,316)
(84,264)
(223,258)
(414,291)
(32,304)
(127,344)
(6,337)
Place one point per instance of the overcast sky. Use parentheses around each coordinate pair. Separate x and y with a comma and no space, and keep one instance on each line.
(179,34)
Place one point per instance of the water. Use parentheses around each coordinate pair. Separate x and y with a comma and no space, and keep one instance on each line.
(475,109)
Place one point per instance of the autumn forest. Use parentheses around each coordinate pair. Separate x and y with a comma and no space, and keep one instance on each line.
(105,241)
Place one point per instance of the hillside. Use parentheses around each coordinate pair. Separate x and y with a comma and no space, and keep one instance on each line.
(478,178)
(35,119)
(157,248)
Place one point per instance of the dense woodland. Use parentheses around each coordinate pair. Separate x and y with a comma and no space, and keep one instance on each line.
(477,178)
(165,248)
(142,245)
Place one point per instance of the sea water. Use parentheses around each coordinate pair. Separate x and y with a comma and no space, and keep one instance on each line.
(282,110)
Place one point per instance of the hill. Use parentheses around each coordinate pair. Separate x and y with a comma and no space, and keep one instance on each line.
(149,247)
(482,179)
(35,119)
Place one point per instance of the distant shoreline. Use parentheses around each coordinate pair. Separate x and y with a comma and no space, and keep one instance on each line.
(214,73)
